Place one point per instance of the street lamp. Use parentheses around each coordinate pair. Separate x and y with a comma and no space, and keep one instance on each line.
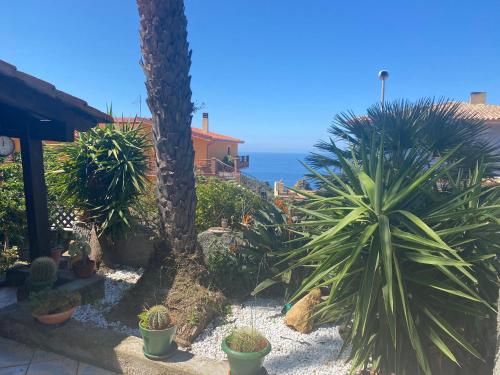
(383,75)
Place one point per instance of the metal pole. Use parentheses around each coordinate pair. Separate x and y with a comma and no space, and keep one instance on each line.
(383,75)
(382,95)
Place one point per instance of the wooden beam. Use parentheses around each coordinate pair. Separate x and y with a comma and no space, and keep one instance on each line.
(35,192)
(41,132)
(17,124)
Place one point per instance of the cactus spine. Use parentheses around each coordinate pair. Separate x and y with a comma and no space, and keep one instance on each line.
(158,318)
(43,269)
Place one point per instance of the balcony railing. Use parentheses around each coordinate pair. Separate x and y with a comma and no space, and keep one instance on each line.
(243,161)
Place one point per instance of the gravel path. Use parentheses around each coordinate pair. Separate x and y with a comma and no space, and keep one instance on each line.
(292,353)
(116,283)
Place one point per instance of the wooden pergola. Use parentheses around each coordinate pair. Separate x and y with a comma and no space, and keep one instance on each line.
(34,111)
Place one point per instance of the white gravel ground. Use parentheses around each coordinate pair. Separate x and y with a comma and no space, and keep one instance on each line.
(116,283)
(292,353)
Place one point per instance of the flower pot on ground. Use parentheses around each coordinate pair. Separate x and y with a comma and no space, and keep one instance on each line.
(246,349)
(53,306)
(55,254)
(43,274)
(79,250)
(84,268)
(157,332)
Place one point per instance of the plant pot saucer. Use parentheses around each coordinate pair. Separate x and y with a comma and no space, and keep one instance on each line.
(170,353)
(262,372)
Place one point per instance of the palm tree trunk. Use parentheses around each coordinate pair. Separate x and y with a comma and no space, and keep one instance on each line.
(166,63)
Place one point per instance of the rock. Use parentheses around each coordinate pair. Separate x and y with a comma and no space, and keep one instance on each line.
(299,316)
(134,250)
(219,239)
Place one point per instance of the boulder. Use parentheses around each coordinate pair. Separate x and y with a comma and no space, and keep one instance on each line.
(300,315)
(135,249)
(219,239)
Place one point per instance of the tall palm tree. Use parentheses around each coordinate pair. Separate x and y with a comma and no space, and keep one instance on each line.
(166,63)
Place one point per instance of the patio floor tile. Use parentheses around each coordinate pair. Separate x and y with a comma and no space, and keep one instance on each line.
(63,366)
(16,370)
(8,296)
(14,354)
(43,356)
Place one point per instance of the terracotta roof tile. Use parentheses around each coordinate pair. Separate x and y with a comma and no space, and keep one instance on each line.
(486,112)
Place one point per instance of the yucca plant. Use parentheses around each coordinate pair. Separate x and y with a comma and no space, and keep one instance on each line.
(104,171)
(405,253)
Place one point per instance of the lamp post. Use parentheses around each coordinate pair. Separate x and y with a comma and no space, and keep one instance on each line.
(383,75)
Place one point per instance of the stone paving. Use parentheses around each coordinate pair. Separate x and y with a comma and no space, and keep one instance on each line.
(18,359)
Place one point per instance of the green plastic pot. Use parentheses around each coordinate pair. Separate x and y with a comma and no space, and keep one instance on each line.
(245,363)
(157,343)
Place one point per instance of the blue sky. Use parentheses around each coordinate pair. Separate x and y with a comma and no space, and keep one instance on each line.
(273,73)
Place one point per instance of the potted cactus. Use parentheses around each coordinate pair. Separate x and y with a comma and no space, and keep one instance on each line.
(42,275)
(157,332)
(79,250)
(53,306)
(246,349)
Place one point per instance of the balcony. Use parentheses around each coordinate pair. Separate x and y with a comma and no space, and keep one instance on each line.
(243,161)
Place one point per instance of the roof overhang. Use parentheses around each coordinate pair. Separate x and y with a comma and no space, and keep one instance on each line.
(30,105)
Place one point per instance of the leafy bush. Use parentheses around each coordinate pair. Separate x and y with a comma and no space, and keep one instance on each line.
(104,172)
(219,199)
(13,226)
(235,270)
(52,301)
(144,209)
(8,258)
(403,243)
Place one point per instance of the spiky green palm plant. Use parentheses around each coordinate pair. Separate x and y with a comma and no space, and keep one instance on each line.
(104,171)
(429,125)
(405,254)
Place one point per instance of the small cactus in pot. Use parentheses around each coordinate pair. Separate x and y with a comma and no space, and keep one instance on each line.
(158,318)
(43,272)
(157,332)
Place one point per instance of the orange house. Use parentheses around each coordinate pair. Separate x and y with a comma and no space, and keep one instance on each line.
(214,154)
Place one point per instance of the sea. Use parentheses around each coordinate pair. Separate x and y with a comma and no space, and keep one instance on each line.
(275,166)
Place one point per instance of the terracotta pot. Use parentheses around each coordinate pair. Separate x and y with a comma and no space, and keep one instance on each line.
(84,269)
(55,253)
(55,318)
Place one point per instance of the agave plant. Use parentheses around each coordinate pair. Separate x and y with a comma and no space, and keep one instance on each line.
(405,253)
(104,171)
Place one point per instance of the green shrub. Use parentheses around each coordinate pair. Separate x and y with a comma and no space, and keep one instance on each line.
(144,209)
(8,258)
(13,226)
(218,199)
(79,246)
(403,243)
(103,172)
